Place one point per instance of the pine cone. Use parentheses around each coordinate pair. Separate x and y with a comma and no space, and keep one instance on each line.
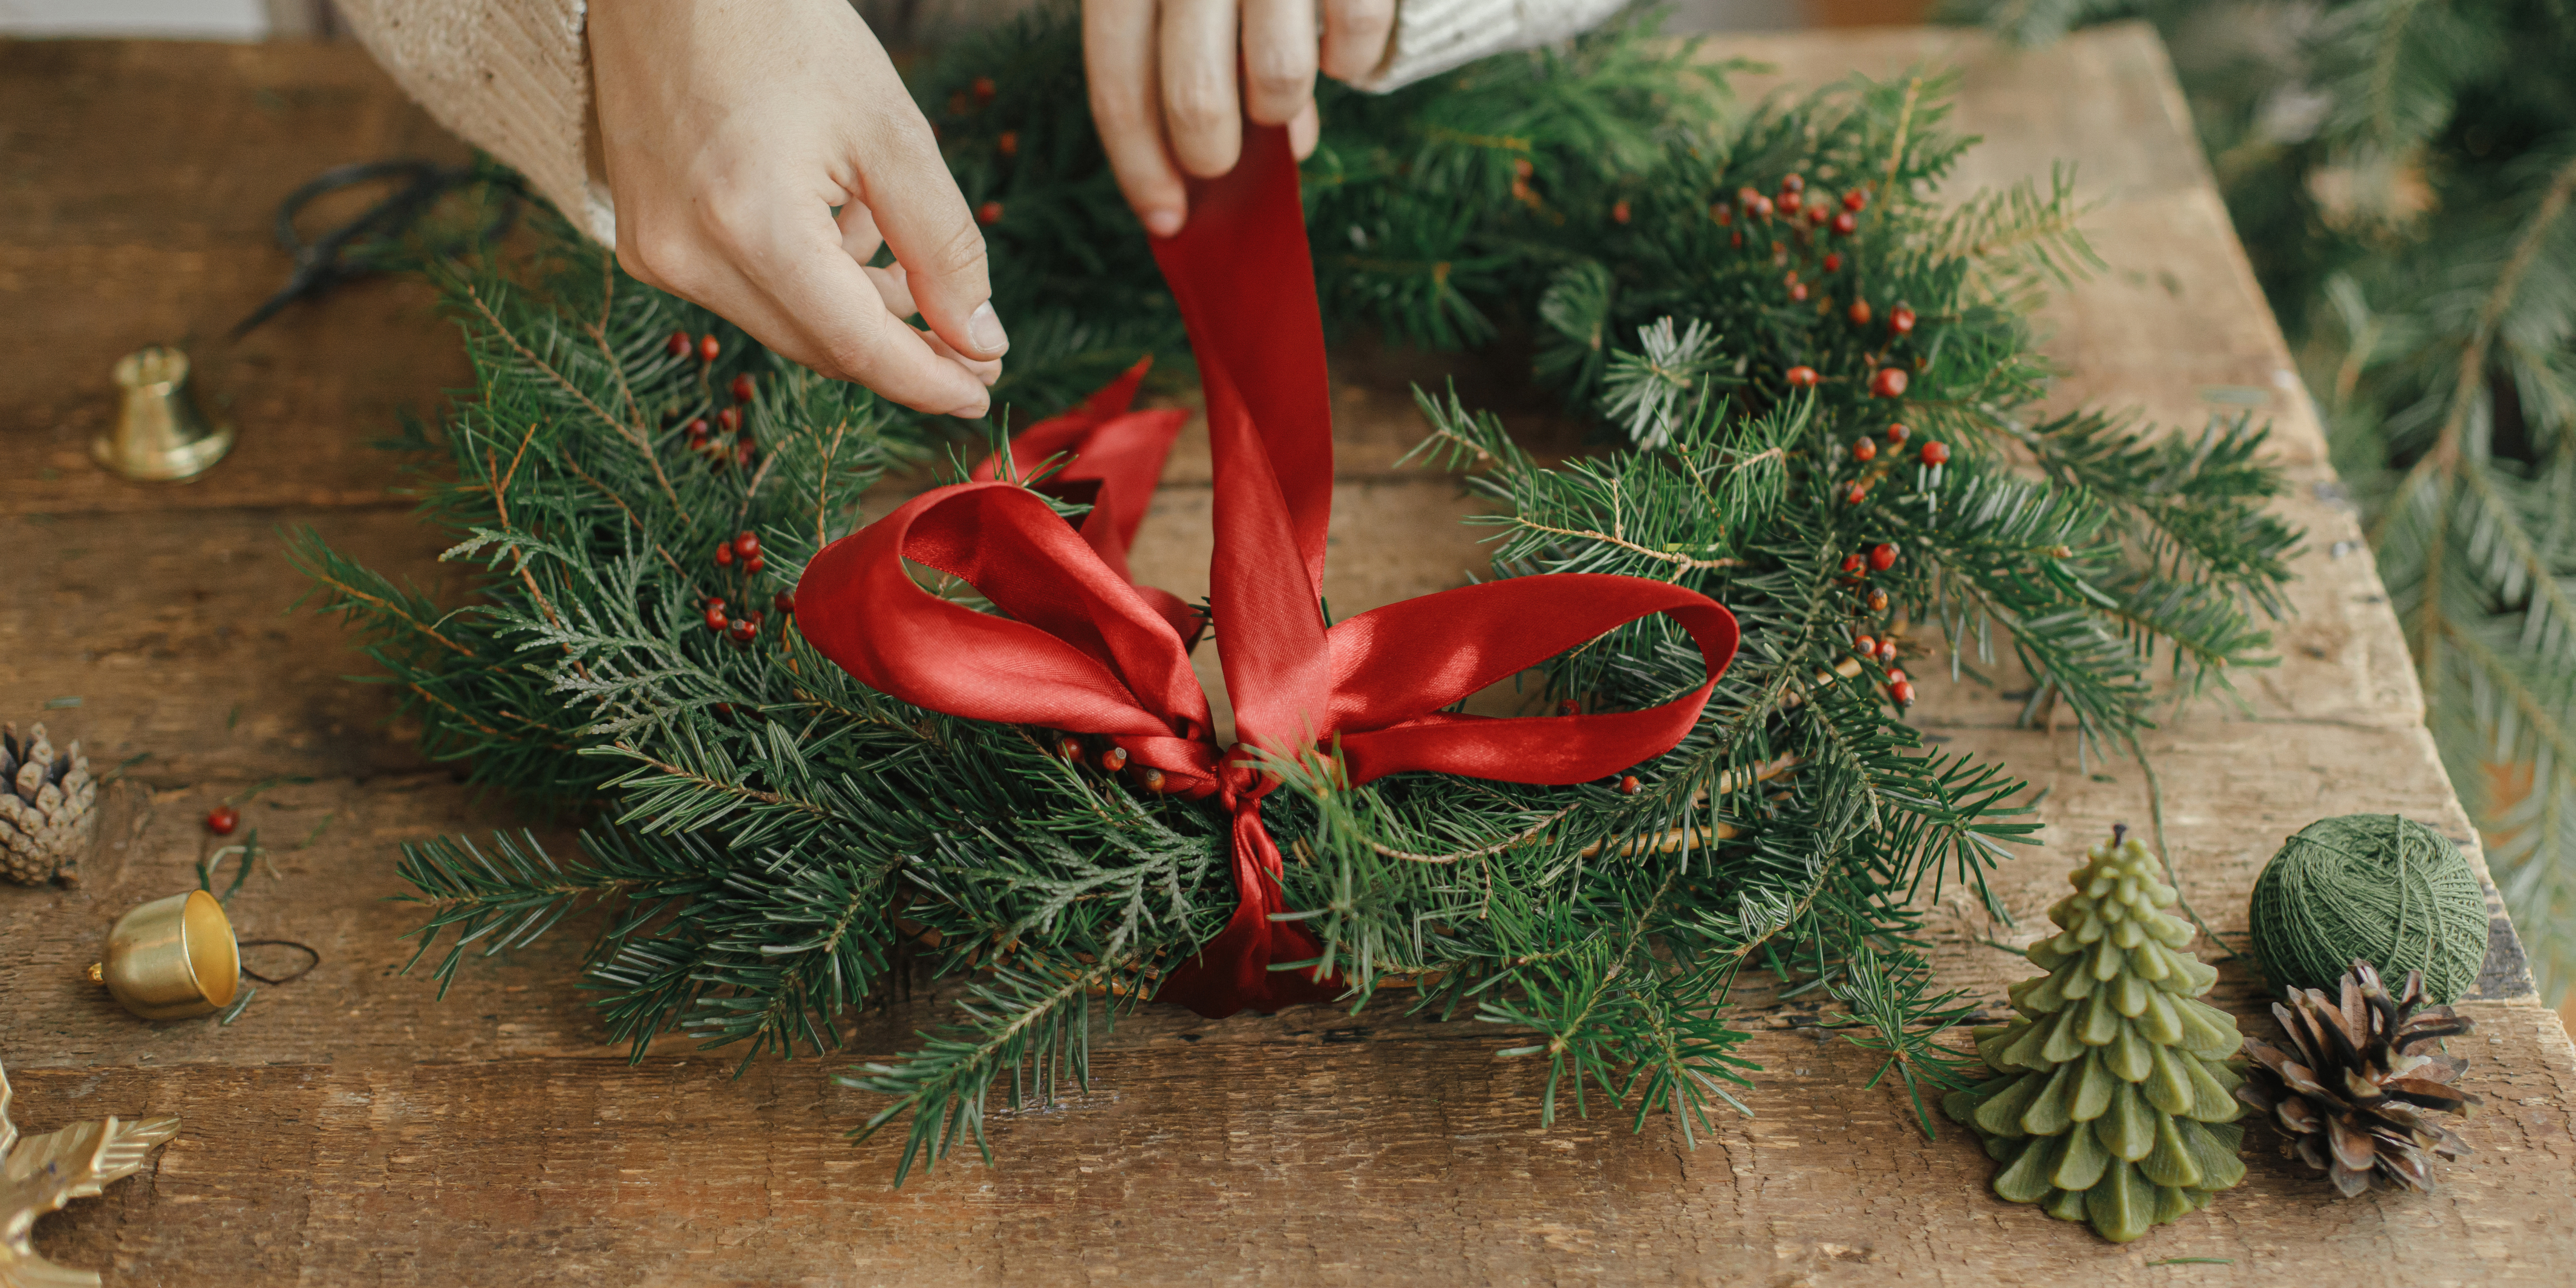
(2110,1102)
(2352,1095)
(48,806)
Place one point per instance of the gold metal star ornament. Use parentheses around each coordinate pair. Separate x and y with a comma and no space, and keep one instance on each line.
(42,1173)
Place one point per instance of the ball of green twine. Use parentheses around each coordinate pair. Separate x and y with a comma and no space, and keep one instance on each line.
(2385,889)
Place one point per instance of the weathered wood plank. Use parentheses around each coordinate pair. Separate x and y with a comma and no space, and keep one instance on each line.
(349,1130)
(137,184)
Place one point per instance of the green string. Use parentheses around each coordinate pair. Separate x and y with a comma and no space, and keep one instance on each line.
(2378,887)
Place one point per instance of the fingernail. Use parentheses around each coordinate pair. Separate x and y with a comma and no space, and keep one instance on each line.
(1163,223)
(974,410)
(984,327)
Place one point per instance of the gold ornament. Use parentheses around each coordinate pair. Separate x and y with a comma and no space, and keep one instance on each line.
(158,436)
(48,806)
(172,958)
(42,1173)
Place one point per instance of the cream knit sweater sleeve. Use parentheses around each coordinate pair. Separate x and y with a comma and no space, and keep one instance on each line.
(513,76)
(510,76)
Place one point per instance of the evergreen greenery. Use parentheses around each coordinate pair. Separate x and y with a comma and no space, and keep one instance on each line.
(773,844)
(2401,174)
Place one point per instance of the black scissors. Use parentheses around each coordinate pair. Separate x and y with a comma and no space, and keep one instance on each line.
(372,242)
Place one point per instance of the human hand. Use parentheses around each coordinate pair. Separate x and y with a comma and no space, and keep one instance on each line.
(1164,83)
(731,129)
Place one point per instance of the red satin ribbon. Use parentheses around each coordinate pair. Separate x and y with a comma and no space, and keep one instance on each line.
(1081,649)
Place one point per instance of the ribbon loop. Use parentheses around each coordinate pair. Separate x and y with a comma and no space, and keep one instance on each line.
(1084,649)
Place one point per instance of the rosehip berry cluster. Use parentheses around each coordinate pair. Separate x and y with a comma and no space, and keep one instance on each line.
(745,548)
(725,441)
(1111,759)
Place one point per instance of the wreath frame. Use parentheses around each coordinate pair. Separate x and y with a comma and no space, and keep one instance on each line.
(778,847)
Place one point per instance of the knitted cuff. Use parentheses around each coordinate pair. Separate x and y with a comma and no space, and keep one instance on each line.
(1433,36)
(510,76)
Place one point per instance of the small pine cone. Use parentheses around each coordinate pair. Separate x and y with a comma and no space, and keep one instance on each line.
(48,806)
(2355,1094)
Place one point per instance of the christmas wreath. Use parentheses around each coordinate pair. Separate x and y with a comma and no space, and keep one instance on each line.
(807,769)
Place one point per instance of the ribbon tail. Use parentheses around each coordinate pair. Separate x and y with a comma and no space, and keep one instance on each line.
(1232,972)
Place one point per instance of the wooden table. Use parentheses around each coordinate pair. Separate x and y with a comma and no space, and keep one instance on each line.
(351,1130)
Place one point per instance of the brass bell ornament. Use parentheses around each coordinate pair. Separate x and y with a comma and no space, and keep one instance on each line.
(172,958)
(158,436)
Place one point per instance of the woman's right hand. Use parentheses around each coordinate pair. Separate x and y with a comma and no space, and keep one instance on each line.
(1166,94)
(732,128)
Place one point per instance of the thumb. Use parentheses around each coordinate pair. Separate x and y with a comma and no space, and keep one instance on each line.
(907,188)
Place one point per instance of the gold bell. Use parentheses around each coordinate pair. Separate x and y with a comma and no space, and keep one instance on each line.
(172,958)
(158,436)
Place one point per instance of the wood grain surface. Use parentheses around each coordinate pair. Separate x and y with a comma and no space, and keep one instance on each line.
(349,1129)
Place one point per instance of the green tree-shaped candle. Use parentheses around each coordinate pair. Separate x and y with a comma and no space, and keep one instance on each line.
(2110,1103)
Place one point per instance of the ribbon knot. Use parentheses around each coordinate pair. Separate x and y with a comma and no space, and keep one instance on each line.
(1079,647)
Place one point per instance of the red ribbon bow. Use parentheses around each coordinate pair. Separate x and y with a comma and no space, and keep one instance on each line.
(1084,650)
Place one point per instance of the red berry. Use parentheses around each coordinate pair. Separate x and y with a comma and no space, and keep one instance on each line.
(1895,676)
(1896,435)
(783,601)
(1845,225)
(1803,377)
(1070,748)
(1864,450)
(743,631)
(1792,183)
(743,452)
(1628,785)
(1114,759)
(1760,206)
(222,819)
(1567,706)
(708,348)
(989,213)
(1798,292)
(1878,601)
(1889,382)
(724,555)
(1903,692)
(754,564)
(1619,212)
(746,544)
(712,601)
(698,432)
(1008,144)
(1149,778)
(1900,320)
(729,420)
(758,617)
(1858,313)
(1855,566)
(742,389)
(1833,262)
(1855,199)
(984,89)
(1723,213)
(1522,169)
(715,619)
(1887,650)
(1819,211)
(1935,454)
(1883,555)
(678,344)
(1864,645)
(1859,493)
